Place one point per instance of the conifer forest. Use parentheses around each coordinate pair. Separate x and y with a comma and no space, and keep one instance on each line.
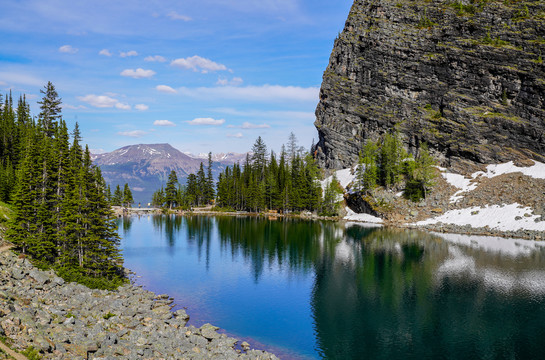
(62,218)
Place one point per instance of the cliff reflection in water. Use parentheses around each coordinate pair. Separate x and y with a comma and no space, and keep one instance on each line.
(380,293)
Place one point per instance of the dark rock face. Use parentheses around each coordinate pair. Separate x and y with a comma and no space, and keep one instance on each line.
(468,78)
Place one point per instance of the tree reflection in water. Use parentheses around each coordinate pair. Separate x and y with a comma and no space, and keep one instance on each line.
(383,293)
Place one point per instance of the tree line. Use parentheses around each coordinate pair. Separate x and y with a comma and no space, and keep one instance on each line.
(197,191)
(62,217)
(265,181)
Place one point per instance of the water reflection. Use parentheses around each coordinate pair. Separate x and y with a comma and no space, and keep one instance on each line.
(380,293)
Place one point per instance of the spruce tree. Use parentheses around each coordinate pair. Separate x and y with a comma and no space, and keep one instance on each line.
(117,198)
(50,107)
(127,196)
(171,193)
(210,193)
(201,186)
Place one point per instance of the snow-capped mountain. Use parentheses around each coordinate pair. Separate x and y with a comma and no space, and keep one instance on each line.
(145,167)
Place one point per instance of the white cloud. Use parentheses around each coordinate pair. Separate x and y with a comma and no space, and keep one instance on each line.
(128,53)
(72,107)
(165,89)
(247,125)
(141,107)
(267,93)
(133,133)
(175,16)
(99,101)
(236,81)
(197,63)
(153,58)
(122,106)
(97,151)
(138,73)
(163,123)
(206,121)
(103,101)
(68,49)
(105,52)
(237,135)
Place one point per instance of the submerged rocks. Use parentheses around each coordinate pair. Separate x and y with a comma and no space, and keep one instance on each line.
(70,321)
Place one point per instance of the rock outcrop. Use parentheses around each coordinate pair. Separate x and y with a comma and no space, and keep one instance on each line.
(466,77)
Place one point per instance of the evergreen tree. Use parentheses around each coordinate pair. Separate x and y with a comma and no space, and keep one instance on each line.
(210,193)
(50,107)
(259,158)
(62,218)
(171,193)
(330,203)
(117,198)
(158,198)
(424,172)
(201,186)
(191,189)
(127,196)
(369,165)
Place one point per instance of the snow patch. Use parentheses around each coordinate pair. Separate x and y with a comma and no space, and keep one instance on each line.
(465,185)
(499,217)
(367,218)
(344,176)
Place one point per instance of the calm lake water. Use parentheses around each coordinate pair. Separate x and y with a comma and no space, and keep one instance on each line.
(312,289)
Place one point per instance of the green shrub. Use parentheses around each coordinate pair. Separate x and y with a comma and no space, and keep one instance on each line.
(31,353)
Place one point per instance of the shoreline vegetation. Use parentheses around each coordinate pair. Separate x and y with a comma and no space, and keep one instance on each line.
(439,228)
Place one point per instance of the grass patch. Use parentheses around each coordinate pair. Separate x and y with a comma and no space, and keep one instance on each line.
(32,354)
(108,316)
(6,212)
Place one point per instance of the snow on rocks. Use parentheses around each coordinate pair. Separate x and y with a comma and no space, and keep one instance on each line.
(344,176)
(466,185)
(510,217)
(367,218)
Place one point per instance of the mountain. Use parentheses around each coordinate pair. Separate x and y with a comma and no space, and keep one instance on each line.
(466,77)
(145,167)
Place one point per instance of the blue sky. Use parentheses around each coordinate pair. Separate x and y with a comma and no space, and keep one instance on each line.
(207,75)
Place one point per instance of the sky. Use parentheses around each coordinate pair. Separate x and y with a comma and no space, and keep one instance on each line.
(207,75)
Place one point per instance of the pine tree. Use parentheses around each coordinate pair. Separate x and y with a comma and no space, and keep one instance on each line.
(191,189)
(127,196)
(425,169)
(210,193)
(171,193)
(158,198)
(117,198)
(330,203)
(201,186)
(259,158)
(50,107)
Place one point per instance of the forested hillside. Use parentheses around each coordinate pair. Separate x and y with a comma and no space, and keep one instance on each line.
(62,218)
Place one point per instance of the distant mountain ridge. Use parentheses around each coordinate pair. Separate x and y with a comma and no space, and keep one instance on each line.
(145,167)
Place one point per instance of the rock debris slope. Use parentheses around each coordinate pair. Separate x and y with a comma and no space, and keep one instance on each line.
(69,321)
(467,77)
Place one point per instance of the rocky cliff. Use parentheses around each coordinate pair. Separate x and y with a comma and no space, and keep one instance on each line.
(467,77)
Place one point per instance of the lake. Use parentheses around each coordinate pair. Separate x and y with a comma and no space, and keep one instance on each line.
(327,290)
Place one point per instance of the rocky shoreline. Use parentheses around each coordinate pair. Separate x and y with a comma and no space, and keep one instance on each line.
(70,321)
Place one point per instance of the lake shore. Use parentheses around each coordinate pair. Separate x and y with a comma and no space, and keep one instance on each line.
(70,321)
(463,229)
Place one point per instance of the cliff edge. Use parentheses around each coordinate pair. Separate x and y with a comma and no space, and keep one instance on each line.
(466,77)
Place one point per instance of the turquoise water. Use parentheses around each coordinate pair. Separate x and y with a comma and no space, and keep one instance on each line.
(311,289)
